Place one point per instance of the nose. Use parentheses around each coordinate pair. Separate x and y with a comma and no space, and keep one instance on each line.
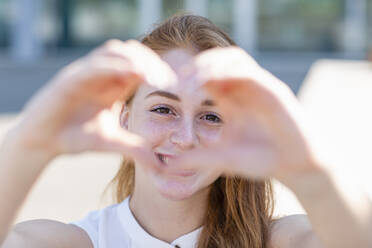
(184,135)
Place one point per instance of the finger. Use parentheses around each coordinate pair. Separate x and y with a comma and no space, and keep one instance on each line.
(224,70)
(249,162)
(95,79)
(222,63)
(229,74)
(83,70)
(155,71)
(234,62)
(133,146)
(130,145)
(109,136)
(252,88)
(246,102)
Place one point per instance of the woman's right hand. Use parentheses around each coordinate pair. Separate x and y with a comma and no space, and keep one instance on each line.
(74,112)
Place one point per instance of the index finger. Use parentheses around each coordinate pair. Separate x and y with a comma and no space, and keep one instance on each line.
(144,60)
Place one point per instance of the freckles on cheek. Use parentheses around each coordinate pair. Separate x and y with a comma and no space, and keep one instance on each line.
(210,135)
(153,130)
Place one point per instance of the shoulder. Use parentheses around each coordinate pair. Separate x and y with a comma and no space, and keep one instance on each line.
(293,231)
(47,233)
(104,226)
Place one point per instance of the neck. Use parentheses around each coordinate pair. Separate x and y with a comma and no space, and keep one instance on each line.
(165,219)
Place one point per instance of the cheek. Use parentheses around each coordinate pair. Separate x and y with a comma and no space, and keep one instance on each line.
(153,129)
(209,135)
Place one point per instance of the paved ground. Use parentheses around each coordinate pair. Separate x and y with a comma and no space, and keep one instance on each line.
(336,95)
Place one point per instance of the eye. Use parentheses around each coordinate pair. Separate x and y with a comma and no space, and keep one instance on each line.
(212,118)
(162,110)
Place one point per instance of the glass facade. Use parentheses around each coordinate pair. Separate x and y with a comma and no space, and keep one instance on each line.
(300,24)
(90,22)
(220,12)
(48,23)
(369,24)
(171,7)
(5,15)
(283,25)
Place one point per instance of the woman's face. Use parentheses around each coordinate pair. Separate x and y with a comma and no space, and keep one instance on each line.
(175,121)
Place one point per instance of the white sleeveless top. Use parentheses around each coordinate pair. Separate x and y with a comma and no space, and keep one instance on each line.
(116,227)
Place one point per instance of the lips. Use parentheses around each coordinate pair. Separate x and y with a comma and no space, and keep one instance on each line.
(165,158)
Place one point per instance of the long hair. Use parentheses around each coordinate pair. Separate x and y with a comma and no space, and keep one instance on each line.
(239,211)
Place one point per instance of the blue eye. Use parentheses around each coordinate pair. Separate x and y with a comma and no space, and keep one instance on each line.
(162,110)
(211,118)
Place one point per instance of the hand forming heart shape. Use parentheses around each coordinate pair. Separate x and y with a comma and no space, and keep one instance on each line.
(265,134)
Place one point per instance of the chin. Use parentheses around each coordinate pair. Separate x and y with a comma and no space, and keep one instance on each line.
(176,188)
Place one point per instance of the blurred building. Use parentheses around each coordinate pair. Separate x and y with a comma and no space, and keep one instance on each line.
(285,36)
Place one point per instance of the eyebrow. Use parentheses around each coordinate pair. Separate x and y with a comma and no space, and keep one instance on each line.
(174,97)
(164,94)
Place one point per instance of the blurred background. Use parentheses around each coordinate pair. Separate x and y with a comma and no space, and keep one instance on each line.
(37,37)
(287,37)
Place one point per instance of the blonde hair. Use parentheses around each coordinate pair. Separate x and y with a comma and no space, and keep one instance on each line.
(239,212)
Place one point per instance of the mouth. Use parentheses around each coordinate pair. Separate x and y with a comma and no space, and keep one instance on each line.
(165,159)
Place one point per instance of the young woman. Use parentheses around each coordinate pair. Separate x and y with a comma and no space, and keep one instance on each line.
(202,129)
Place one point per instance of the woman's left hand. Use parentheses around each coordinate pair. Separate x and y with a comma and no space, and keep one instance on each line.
(264,133)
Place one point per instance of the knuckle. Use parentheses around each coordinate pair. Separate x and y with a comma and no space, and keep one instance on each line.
(116,47)
(133,42)
(138,47)
(109,47)
(238,52)
(112,43)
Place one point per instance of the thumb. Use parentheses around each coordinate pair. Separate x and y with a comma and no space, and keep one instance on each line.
(240,161)
(113,138)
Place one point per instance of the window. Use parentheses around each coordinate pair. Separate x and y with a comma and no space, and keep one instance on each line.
(369,24)
(48,27)
(300,25)
(91,22)
(220,12)
(171,7)
(4,22)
